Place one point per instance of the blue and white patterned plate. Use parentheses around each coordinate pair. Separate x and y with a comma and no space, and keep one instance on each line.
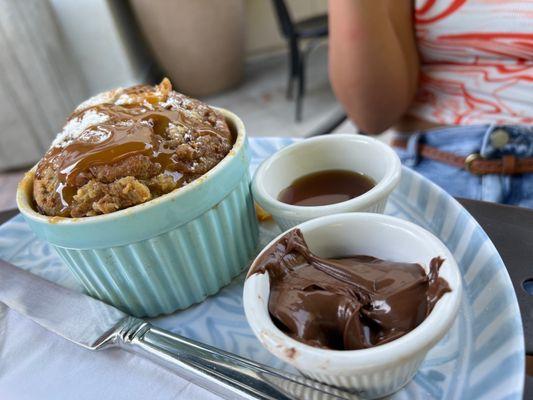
(481,357)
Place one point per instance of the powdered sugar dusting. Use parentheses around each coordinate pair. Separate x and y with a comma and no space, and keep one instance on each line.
(170,102)
(184,104)
(125,99)
(79,128)
(94,136)
(101,98)
(75,127)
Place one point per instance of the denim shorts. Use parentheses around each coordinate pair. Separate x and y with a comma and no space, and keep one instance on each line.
(490,141)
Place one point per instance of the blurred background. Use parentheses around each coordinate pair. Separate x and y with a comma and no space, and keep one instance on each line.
(265,60)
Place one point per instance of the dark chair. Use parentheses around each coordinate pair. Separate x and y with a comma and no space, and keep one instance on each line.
(313,28)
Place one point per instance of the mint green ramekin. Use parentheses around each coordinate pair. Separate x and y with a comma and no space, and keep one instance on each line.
(168,253)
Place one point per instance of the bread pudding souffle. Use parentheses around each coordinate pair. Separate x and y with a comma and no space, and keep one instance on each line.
(145,196)
(127,146)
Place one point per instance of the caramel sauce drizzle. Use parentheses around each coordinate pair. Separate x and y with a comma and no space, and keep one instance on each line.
(139,127)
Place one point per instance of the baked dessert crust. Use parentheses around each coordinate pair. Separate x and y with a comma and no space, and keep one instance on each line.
(127,146)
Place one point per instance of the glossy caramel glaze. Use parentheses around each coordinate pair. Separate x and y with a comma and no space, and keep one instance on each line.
(158,139)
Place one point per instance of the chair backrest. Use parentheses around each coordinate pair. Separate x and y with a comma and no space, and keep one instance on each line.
(284,18)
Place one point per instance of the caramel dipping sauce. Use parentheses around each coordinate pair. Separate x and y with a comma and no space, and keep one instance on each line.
(326,187)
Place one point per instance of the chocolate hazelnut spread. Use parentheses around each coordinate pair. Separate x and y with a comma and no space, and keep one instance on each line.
(346,303)
(127,146)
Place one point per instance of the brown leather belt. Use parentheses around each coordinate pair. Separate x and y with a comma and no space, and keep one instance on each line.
(474,163)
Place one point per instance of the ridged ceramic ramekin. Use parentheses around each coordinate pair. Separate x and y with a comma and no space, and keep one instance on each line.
(377,371)
(165,254)
(357,153)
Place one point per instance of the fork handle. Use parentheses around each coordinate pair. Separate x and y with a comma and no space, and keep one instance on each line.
(220,372)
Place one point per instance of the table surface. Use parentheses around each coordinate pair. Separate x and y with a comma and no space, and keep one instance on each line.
(511,230)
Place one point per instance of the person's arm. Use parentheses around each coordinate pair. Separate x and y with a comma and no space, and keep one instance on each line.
(373,61)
